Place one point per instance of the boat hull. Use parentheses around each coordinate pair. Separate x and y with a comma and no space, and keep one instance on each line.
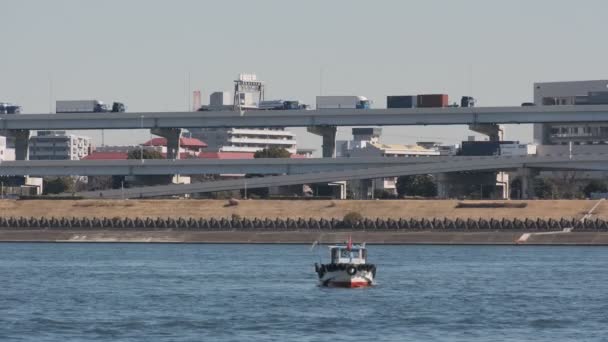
(347,276)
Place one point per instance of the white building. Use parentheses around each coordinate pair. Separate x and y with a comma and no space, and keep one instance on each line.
(571,93)
(6,153)
(17,185)
(248,93)
(247,139)
(58,145)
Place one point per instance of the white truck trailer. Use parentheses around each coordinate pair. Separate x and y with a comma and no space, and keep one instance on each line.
(80,106)
(342,102)
(88,106)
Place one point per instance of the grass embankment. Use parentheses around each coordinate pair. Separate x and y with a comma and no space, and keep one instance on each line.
(293,208)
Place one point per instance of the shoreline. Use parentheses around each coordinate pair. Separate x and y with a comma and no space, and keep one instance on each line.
(510,238)
(315,209)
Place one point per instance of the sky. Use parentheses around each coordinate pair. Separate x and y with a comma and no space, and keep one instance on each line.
(151,54)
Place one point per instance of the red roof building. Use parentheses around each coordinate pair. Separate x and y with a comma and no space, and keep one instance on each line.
(191,147)
(225,155)
(107,156)
(188,143)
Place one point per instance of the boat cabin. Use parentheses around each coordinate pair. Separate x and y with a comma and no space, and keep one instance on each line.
(340,254)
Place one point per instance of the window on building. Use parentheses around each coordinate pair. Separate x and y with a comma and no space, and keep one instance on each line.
(549,101)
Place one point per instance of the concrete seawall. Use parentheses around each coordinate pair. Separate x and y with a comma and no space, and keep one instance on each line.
(305,237)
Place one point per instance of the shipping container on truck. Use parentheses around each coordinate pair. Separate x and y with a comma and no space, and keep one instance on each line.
(483,148)
(342,102)
(433,101)
(401,101)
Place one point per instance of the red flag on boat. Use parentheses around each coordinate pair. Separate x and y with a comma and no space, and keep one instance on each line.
(349,245)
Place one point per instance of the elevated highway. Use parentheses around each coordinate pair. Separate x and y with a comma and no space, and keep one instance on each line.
(266,166)
(200,166)
(307,118)
(322,122)
(594,162)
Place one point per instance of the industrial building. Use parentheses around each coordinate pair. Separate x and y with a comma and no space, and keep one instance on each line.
(59,145)
(571,93)
(571,138)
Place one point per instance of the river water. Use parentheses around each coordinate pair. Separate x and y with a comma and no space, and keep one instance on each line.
(170,292)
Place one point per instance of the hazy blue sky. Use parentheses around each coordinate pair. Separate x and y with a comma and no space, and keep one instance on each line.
(139,52)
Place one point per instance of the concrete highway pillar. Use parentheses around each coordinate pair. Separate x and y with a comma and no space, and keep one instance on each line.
(526,183)
(442,185)
(22,143)
(173,136)
(493,131)
(329,139)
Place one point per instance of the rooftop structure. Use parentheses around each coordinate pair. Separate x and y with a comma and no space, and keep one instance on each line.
(248,92)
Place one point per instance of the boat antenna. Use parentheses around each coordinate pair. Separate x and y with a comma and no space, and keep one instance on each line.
(314,244)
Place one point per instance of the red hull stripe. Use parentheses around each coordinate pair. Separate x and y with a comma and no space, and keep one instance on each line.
(349,284)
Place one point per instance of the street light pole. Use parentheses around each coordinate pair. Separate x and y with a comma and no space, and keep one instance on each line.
(141,150)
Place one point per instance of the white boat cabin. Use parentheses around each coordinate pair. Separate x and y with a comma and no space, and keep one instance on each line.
(340,254)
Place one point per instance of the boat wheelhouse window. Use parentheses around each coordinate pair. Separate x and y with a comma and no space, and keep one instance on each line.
(345,253)
(334,254)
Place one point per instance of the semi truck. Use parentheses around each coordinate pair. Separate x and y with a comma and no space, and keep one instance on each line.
(87,106)
(281,105)
(9,108)
(342,102)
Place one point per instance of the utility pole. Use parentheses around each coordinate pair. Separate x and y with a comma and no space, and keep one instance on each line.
(141,150)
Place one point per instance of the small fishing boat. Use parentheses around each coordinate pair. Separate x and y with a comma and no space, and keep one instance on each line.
(348,267)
